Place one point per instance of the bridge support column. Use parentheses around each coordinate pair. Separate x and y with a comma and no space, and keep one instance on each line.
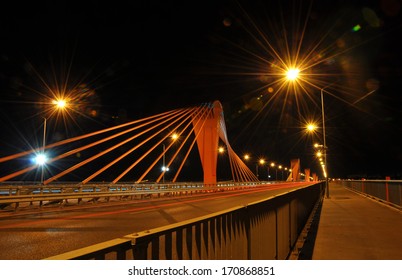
(295,167)
(307,172)
(207,141)
(315,178)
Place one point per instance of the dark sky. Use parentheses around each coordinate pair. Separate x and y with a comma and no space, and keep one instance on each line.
(131,59)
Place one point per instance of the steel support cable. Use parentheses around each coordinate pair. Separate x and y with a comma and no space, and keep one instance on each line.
(189,111)
(223,135)
(30,168)
(179,149)
(19,172)
(110,138)
(207,112)
(169,146)
(236,173)
(246,174)
(128,152)
(237,165)
(107,151)
(199,112)
(66,141)
(236,168)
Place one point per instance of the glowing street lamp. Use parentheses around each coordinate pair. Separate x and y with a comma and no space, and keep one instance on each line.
(41,159)
(325,167)
(311,127)
(292,74)
(281,168)
(276,170)
(60,103)
(260,161)
(165,168)
(221,150)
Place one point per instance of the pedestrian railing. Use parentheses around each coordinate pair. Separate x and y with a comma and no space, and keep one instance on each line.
(266,229)
(387,191)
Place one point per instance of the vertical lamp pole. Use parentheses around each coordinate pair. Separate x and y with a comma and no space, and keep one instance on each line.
(59,104)
(256,170)
(268,171)
(43,149)
(292,75)
(163,165)
(325,144)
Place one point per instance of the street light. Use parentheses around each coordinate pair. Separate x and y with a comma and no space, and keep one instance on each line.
(324,142)
(276,170)
(165,168)
(269,176)
(292,75)
(323,154)
(41,159)
(221,150)
(260,161)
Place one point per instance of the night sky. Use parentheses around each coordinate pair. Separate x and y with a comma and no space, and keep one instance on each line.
(132,59)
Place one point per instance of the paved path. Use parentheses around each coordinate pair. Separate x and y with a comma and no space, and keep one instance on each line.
(353,227)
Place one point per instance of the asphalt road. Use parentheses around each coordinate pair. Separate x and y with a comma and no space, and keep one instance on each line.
(41,235)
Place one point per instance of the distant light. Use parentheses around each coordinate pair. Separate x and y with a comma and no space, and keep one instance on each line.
(175,136)
(165,168)
(292,74)
(356,28)
(221,150)
(41,159)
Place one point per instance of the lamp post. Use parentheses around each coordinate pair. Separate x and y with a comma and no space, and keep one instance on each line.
(268,171)
(165,168)
(324,143)
(43,152)
(260,161)
(276,170)
(292,74)
(59,105)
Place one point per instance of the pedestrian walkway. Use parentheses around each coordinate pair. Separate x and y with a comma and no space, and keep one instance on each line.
(354,227)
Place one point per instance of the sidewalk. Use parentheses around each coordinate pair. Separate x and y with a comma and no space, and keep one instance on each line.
(353,227)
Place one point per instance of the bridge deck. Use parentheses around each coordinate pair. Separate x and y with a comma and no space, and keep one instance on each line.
(354,227)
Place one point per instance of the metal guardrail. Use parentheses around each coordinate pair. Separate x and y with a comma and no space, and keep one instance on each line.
(266,229)
(387,191)
(15,194)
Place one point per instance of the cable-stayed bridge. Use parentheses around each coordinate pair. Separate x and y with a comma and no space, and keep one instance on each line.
(241,219)
(133,152)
